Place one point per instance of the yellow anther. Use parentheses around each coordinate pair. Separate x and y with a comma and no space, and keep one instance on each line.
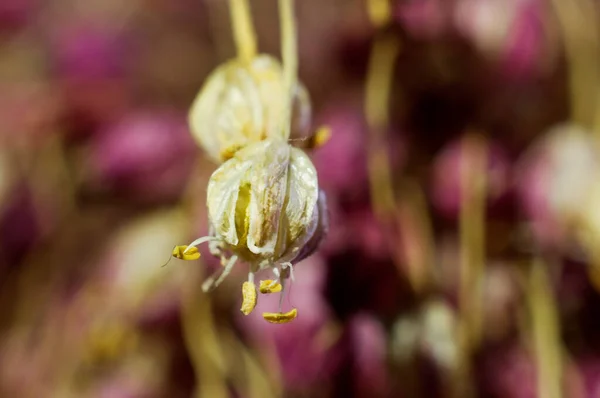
(249,297)
(280,317)
(183,253)
(321,136)
(268,286)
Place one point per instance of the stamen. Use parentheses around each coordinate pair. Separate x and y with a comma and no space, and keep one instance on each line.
(199,241)
(269,286)
(321,136)
(282,295)
(280,317)
(248,295)
(289,268)
(185,253)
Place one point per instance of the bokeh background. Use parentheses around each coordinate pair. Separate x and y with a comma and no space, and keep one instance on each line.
(479,280)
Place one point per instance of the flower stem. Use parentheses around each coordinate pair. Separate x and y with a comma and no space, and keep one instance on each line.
(243,29)
(289,55)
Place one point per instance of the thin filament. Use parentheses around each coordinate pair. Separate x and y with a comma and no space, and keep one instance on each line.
(199,241)
(243,30)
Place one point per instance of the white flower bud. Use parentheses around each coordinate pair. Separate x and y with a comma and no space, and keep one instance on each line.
(241,103)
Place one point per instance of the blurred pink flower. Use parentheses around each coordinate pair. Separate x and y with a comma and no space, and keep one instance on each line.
(590,372)
(446,178)
(423,19)
(15,14)
(91,62)
(509,372)
(342,162)
(553,181)
(513,33)
(367,344)
(146,156)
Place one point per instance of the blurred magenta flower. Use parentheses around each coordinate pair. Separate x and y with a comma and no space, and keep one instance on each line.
(513,34)
(447,171)
(91,62)
(15,14)
(553,180)
(424,19)
(342,162)
(509,372)
(147,156)
(367,344)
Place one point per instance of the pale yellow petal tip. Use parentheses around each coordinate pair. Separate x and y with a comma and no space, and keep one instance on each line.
(268,286)
(321,137)
(280,317)
(249,298)
(183,253)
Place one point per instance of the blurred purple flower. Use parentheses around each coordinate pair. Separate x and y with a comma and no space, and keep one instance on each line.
(88,50)
(20,226)
(509,372)
(590,373)
(342,162)
(146,156)
(553,180)
(367,339)
(512,33)
(446,178)
(424,19)
(15,14)
(91,63)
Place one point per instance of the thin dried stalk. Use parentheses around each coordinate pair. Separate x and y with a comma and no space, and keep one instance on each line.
(545,332)
(380,12)
(202,342)
(289,55)
(243,29)
(379,78)
(579,27)
(472,252)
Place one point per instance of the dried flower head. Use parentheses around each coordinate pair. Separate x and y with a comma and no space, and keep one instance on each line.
(241,103)
(265,209)
(264,203)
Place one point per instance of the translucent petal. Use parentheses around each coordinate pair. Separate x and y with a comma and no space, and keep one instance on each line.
(269,181)
(243,103)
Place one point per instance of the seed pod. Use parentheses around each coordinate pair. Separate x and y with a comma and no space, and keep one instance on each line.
(262,203)
(241,103)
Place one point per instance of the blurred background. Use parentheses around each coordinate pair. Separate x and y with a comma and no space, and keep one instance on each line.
(465,264)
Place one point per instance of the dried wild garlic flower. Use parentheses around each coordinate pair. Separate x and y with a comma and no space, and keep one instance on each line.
(265,209)
(264,204)
(241,103)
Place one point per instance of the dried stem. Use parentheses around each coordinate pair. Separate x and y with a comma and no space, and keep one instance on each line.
(472,236)
(380,12)
(243,29)
(202,342)
(289,55)
(545,332)
(579,27)
(379,78)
